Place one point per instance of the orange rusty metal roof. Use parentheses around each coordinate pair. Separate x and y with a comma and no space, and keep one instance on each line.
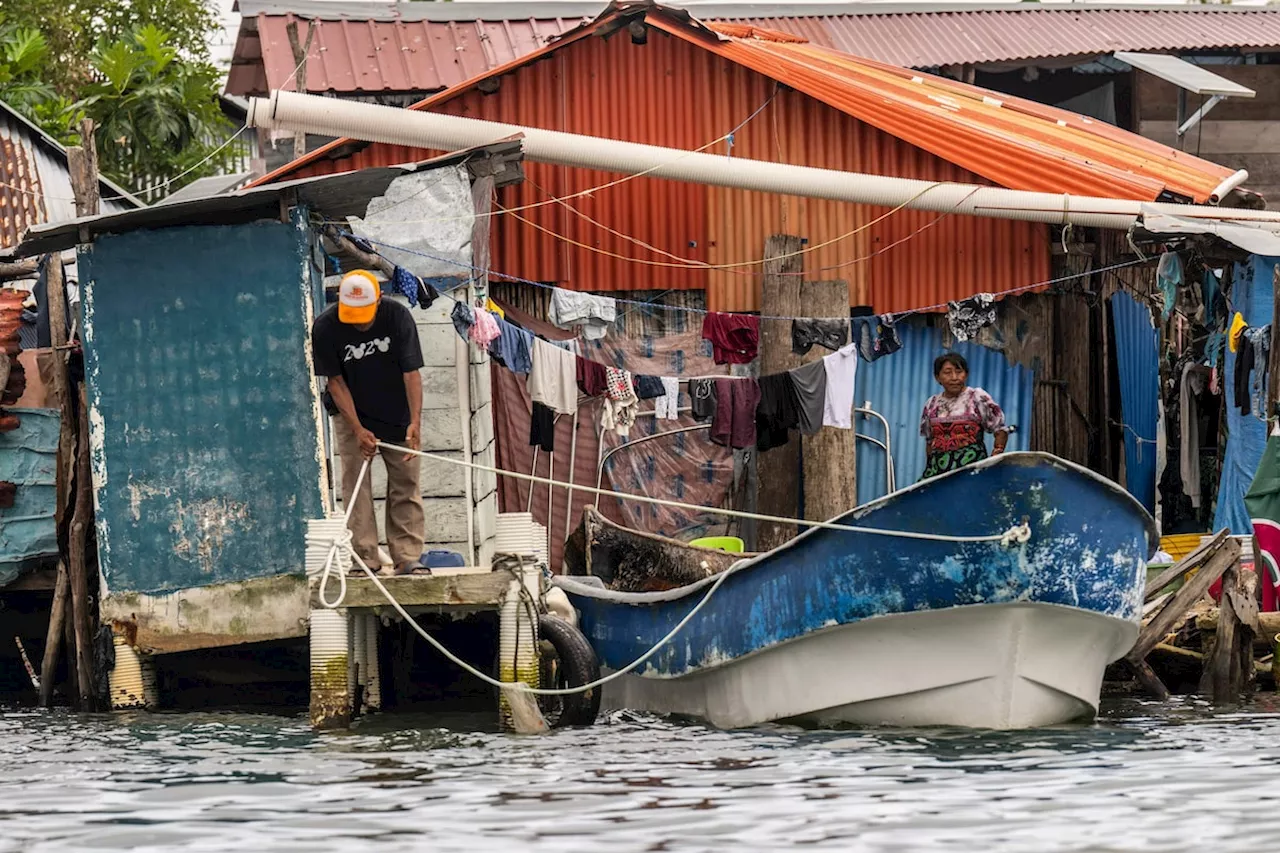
(1012,142)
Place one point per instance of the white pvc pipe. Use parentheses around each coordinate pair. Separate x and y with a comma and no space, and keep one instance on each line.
(1231,182)
(392,125)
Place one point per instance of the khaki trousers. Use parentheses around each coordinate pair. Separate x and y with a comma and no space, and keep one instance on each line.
(405,518)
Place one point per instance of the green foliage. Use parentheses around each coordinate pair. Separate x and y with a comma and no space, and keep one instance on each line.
(139,68)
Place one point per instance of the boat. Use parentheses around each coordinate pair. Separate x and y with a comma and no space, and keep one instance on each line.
(862,627)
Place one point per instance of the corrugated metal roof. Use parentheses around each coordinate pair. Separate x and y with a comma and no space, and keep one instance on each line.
(1011,142)
(381,47)
(897,386)
(1137,360)
(1015,143)
(35,185)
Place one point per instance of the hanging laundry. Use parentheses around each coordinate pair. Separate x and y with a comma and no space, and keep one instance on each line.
(1195,381)
(494,308)
(968,316)
(778,412)
(484,330)
(463,319)
(592,378)
(620,402)
(702,393)
(734,423)
(553,377)
(1251,381)
(735,338)
(1238,325)
(542,428)
(648,387)
(1169,278)
(810,386)
(412,288)
(842,370)
(513,347)
(875,336)
(568,345)
(667,407)
(807,331)
(595,314)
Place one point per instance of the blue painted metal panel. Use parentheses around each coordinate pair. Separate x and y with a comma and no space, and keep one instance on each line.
(29,459)
(1251,295)
(206,447)
(1088,549)
(1137,356)
(898,387)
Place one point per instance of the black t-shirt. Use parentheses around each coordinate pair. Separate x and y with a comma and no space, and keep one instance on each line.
(373,363)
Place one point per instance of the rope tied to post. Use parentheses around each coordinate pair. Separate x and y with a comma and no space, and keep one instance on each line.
(1017,535)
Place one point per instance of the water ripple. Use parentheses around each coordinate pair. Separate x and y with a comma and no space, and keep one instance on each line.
(1147,777)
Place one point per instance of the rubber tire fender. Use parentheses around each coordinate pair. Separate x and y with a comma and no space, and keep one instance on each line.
(579,665)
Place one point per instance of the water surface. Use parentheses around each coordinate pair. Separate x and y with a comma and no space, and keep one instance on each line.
(1145,777)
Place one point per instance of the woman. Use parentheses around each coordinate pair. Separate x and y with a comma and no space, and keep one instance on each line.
(954,421)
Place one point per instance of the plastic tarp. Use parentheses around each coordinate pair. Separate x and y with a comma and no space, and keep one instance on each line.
(1251,295)
(1137,357)
(28,458)
(429,213)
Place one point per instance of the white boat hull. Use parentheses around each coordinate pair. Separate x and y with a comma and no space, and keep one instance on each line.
(993,666)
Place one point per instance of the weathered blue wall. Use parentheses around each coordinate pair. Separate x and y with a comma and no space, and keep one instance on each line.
(205,441)
(899,385)
(29,459)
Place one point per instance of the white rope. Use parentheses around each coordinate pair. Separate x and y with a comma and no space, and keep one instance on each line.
(338,542)
(1011,534)
(1017,534)
(520,685)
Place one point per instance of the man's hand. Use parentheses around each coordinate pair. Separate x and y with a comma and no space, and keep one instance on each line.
(413,440)
(368,443)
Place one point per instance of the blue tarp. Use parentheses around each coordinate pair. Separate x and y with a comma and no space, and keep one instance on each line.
(1252,296)
(1137,357)
(898,386)
(29,458)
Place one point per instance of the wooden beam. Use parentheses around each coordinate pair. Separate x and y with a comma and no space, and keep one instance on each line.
(1268,625)
(830,484)
(1154,631)
(53,639)
(18,269)
(81,603)
(1220,676)
(779,469)
(300,53)
(82,162)
(1157,584)
(483,591)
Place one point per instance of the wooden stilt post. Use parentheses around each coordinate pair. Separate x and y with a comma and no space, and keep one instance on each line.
(300,52)
(778,470)
(53,639)
(830,484)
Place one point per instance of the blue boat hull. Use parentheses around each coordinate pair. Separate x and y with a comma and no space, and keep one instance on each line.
(1085,562)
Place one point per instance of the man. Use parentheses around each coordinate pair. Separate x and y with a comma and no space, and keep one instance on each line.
(367,347)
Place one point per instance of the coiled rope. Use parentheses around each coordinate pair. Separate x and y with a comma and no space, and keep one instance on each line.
(1018,534)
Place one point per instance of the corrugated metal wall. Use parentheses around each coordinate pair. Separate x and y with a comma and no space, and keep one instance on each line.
(205,440)
(35,185)
(28,458)
(1137,359)
(897,386)
(672,93)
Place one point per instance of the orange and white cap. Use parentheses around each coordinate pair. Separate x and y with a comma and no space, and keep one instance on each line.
(358,297)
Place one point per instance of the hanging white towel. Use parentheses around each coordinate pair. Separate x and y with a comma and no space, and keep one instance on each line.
(667,407)
(553,378)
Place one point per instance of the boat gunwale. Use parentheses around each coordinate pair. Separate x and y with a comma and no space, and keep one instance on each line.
(570,584)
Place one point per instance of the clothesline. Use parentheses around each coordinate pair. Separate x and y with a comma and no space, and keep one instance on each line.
(690,310)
